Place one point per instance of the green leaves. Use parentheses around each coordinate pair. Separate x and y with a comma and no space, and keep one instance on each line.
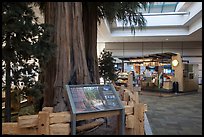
(24,44)
(127,12)
(106,66)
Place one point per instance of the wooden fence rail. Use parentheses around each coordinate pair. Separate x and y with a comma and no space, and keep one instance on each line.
(49,123)
(134,110)
(45,123)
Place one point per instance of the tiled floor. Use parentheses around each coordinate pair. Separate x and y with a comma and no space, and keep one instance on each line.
(168,114)
(174,114)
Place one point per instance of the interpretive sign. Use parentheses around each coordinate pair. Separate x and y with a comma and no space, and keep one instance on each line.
(93,98)
(94,101)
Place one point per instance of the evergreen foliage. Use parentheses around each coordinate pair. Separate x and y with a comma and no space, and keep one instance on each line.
(106,66)
(26,47)
(127,12)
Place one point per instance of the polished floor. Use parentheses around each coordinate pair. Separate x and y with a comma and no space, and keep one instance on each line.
(171,114)
(168,114)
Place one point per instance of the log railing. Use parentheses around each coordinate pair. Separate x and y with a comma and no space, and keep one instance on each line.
(134,110)
(49,123)
(45,123)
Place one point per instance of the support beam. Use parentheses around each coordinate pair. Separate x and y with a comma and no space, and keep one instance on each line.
(43,123)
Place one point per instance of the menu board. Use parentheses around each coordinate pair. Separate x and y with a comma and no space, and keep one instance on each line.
(91,98)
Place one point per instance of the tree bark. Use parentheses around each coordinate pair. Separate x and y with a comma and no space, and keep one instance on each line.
(90,34)
(7,114)
(69,65)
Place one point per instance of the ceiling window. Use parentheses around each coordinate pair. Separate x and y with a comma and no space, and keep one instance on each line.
(160,7)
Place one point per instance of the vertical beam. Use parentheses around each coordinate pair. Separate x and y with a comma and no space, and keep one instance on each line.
(126,96)
(123,65)
(178,71)
(73,124)
(150,5)
(162,7)
(136,97)
(130,82)
(118,125)
(43,123)
(139,119)
(7,115)
(175,6)
(122,120)
(121,92)
(48,109)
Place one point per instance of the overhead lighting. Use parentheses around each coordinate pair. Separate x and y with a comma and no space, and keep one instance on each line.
(175,63)
(167,39)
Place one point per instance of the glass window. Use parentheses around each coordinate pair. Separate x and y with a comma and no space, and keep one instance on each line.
(160,7)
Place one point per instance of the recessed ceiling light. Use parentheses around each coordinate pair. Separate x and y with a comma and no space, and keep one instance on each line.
(167,39)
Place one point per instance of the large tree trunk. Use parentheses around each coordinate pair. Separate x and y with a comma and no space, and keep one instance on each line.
(7,114)
(90,33)
(69,66)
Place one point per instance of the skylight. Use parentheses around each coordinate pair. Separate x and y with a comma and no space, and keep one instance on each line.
(160,7)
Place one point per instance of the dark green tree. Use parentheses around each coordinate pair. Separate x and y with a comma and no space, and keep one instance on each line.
(106,66)
(26,48)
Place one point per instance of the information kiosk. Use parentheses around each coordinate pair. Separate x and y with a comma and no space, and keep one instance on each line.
(95,101)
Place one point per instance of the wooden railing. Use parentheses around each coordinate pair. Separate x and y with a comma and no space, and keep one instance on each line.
(49,123)
(134,110)
(45,123)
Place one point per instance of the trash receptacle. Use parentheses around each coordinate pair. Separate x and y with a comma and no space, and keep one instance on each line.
(175,87)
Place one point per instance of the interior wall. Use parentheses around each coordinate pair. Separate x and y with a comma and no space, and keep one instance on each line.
(189,50)
(100,47)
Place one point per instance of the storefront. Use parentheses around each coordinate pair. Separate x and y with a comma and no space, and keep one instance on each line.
(163,71)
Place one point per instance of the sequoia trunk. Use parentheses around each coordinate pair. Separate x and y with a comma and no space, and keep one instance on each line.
(90,33)
(69,65)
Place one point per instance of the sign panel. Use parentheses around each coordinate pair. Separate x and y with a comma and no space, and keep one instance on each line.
(93,98)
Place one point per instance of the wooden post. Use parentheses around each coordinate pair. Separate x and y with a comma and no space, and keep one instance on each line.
(48,109)
(136,97)
(128,110)
(126,96)
(145,107)
(121,91)
(139,119)
(43,123)
(130,121)
(138,114)
(135,122)
(118,125)
(125,103)
(130,82)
